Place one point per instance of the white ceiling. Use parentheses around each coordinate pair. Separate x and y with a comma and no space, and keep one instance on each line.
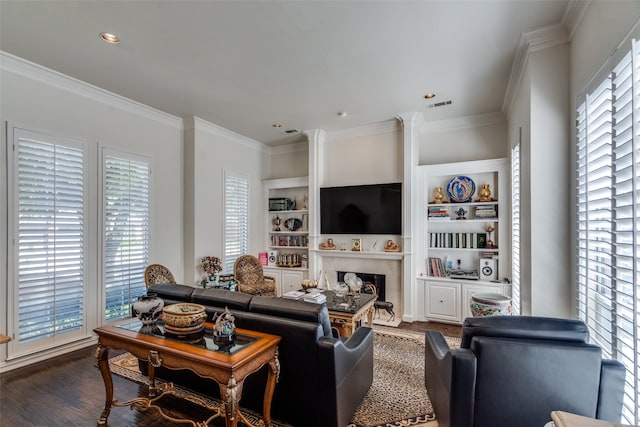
(245,65)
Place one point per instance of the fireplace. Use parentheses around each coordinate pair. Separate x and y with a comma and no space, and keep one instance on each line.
(378,280)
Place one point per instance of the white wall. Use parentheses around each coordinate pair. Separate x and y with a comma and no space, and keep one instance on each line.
(213,152)
(42,100)
(464,141)
(289,161)
(371,156)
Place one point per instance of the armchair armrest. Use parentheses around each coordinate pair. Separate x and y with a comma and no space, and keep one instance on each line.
(349,374)
(450,378)
(611,392)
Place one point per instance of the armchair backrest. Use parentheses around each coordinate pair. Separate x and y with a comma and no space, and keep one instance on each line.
(157,273)
(524,327)
(515,370)
(248,270)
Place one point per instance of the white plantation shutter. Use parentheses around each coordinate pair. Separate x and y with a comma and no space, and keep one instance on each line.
(515,228)
(236,219)
(608,219)
(49,220)
(126,231)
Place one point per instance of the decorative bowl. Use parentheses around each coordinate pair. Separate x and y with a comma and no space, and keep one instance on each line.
(341,289)
(309,284)
(184,317)
(490,304)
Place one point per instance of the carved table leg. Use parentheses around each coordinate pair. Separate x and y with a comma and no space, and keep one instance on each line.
(230,394)
(102,358)
(154,361)
(370,316)
(274,375)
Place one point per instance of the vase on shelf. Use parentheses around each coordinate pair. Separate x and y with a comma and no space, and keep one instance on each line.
(147,308)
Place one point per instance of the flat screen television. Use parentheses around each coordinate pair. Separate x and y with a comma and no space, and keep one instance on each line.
(361,209)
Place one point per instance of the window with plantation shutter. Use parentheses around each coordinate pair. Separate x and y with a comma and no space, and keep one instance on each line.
(48,286)
(515,229)
(236,219)
(126,231)
(608,219)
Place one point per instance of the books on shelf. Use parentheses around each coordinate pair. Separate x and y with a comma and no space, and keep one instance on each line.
(301,241)
(435,267)
(294,295)
(486,212)
(438,213)
(457,240)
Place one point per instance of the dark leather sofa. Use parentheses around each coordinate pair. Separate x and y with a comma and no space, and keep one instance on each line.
(514,370)
(322,380)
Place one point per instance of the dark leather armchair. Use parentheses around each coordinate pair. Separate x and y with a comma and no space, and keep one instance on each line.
(514,370)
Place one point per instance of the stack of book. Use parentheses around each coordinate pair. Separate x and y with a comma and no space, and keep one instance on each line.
(436,269)
(438,213)
(315,297)
(486,212)
(294,295)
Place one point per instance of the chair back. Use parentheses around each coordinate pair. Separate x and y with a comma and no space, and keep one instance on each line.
(247,270)
(157,273)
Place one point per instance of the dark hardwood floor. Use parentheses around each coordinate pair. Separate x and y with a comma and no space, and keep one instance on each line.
(68,391)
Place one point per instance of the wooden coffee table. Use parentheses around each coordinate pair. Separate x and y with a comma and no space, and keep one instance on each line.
(347,313)
(227,366)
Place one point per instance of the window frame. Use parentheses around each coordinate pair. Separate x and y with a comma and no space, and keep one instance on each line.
(106,152)
(15,348)
(227,262)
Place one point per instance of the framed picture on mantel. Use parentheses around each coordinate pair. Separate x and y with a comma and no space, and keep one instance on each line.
(356,245)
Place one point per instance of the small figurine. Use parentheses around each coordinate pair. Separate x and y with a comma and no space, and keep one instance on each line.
(462,214)
(391,246)
(438,195)
(484,193)
(276,223)
(328,245)
(489,229)
(224,329)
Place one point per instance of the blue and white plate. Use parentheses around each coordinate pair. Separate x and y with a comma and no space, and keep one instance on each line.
(461,189)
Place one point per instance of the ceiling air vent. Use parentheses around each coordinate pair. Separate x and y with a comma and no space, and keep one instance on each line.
(290,131)
(439,104)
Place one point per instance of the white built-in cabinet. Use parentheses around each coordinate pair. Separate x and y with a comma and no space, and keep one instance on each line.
(287,231)
(456,237)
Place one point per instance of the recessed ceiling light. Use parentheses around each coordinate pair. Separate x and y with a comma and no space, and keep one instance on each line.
(110,38)
(342,114)
(430,96)
(276,125)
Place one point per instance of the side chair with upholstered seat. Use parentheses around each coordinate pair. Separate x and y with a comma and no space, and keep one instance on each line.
(157,273)
(250,277)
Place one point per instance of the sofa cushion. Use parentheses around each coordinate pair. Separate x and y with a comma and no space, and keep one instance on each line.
(221,298)
(526,327)
(171,291)
(292,309)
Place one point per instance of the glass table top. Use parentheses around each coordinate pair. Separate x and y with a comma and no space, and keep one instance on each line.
(203,339)
(347,304)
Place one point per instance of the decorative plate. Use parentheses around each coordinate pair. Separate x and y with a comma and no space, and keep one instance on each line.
(460,189)
(293,224)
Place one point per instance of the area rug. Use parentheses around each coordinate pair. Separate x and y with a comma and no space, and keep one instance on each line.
(397,396)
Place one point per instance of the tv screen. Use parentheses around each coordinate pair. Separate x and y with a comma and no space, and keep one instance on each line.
(361,209)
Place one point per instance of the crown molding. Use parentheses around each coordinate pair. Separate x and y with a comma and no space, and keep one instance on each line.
(532,41)
(203,125)
(467,122)
(291,148)
(21,67)
(573,15)
(388,126)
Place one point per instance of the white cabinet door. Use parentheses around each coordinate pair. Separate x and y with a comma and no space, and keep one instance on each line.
(291,280)
(469,290)
(442,301)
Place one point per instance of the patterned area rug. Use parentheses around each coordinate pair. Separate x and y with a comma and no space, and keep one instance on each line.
(397,396)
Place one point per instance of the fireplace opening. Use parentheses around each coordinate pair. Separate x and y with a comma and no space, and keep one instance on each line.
(378,280)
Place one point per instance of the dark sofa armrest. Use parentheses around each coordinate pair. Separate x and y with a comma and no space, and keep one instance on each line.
(450,379)
(348,368)
(611,392)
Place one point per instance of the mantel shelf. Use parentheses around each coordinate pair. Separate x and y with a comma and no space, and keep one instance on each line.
(361,254)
